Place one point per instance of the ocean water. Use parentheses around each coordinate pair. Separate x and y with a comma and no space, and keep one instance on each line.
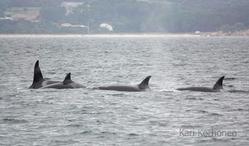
(160,116)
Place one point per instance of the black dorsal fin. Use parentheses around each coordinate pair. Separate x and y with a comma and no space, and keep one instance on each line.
(67,79)
(145,83)
(219,83)
(37,73)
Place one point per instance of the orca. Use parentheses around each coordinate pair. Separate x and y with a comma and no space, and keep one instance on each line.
(66,84)
(38,80)
(216,88)
(136,88)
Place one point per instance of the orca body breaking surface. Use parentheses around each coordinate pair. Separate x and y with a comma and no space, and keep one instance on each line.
(216,88)
(136,88)
(66,84)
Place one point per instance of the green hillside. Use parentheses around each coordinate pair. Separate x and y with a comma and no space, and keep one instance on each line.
(128,16)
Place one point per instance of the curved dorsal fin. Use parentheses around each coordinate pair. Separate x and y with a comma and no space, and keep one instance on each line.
(145,83)
(37,73)
(219,83)
(67,79)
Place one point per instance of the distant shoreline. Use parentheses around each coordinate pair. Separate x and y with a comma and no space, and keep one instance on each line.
(104,35)
(200,34)
(220,33)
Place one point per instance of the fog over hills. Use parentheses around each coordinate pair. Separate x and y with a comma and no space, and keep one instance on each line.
(123,16)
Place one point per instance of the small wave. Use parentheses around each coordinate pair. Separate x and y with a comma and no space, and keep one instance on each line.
(167,91)
(74,125)
(12,95)
(14,121)
(190,126)
(238,91)
(179,64)
(198,111)
(229,78)
(117,94)
(133,134)
(209,113)
(202,111)
(212,139)
(86,132)
(246,61)
(159,123)
(193,98)
(215,114)
(188,110)
(229,86)
(238,109)
(104,133)
(64,142)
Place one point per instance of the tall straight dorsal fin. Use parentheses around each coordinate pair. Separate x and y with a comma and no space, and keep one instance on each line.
(219,83)
(67,79)
(37,73)
(145,83)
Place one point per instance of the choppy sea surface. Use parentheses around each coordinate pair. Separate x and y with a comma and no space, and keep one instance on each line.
(160,116)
